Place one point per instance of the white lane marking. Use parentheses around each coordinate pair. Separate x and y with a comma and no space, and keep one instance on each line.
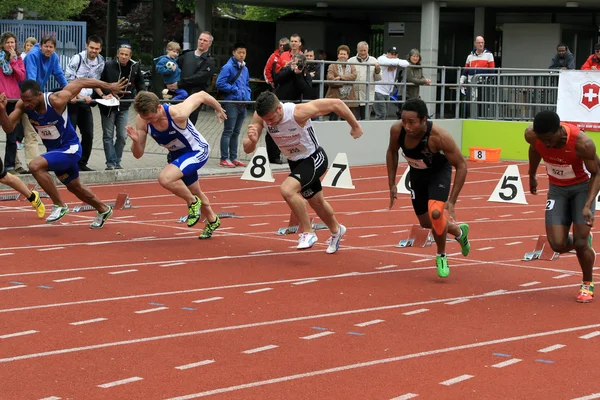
(387,266)
(7,254)
(317,335)
(368,236)
(259,349)
(458,379)
(507,363)
(13,287)
(261,252)
(305,282)
(589,397)
(207,300)
(485,248)
(453,254)
(527,212)
(121,382)
(194,365)
(77,278)
(505,215)
(451,303)
(495,292)
(52,248)
(552,348)
(512,243)
(51,398)
(12,335)
(419,311)
(123,272)
(149,310)
(421,260)
(530,284)
(144,238)
(259,290)
(172,264)
(125,217)
(88,321)
(406,396)
(562,276)
(373,322)
(590,335)
(260,224)
(163,213)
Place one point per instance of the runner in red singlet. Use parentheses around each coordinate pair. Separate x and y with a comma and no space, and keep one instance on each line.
(572,166)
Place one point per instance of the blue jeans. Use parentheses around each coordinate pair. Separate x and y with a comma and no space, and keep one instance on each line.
(232,126)
(113,149)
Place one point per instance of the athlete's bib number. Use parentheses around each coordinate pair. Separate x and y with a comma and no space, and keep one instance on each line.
(174,145)
(418,164)
(293,150)
(48,132)
(560,171)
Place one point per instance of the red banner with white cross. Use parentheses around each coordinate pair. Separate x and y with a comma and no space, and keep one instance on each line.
(579,98)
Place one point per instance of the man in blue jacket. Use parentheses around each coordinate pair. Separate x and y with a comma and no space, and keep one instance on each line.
(234,81)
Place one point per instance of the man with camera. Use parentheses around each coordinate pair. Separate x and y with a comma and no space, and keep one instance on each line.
(293,82)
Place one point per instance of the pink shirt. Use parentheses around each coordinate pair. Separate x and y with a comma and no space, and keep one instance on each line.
(9,84)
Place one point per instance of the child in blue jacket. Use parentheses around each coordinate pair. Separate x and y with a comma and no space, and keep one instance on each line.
(167,66)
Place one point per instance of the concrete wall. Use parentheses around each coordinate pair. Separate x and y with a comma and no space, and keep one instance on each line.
(535,52)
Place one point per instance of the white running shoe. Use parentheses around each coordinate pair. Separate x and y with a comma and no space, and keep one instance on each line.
(57,213)
(334,240)
(306,241)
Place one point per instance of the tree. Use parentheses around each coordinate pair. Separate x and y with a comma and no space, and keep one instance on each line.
(57,10)
(267,14)
(249,13)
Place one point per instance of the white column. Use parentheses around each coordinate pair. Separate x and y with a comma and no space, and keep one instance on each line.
(430,27)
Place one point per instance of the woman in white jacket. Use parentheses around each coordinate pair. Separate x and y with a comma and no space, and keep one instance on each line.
(374,71)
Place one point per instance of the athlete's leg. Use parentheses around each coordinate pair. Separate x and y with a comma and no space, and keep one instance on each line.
(39,169)
(290,191)
(582,242)
(84,194)
(206,210)
(558,219)
(170,179)
(324,211)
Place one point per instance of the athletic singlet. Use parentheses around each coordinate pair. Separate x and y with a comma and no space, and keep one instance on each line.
(176,139)
(294,141)
(563,166)
(55,129)
(420,157)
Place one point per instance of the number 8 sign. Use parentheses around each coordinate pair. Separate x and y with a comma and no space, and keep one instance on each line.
(258,168)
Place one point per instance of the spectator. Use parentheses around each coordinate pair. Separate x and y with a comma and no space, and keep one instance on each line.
(167,67)
(415,75)
(272,62)
(593,61)
(479,61)
(372,75)
(115,118)
(28,45)
(12,73)
(342,73)
(286,57)
(293,82)
(197,70)
(234,80)
(314,70)
(87,64)
(389,65)
(563,59)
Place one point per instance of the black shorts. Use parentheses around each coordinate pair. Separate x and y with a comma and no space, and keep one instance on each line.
(428,185)
(565,203)
(309,171)
(2,170)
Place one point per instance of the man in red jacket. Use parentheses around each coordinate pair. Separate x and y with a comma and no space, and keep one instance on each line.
(593,61)
(272,66)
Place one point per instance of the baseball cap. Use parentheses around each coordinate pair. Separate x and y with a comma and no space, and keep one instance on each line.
(393,49)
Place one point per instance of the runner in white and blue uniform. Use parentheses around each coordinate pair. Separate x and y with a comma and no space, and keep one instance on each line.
(48,115)
(170,126)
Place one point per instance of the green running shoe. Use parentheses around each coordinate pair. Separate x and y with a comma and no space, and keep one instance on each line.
(57,213)
(210,228)
(463,240)
(194,212)
(442,266)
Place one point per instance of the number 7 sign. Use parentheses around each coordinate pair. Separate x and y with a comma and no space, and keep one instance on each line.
(510,188)
(338,175)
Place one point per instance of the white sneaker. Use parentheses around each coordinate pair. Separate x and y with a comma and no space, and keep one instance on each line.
(306,241)
(334,240)
(57,213)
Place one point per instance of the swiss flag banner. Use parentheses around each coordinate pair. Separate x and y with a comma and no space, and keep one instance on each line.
(579,98)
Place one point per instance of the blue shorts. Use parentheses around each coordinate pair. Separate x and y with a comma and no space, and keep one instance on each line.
(189,164)
(63,162)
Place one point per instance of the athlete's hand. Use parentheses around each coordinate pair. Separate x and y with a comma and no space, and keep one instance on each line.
(393,195)
(3,101)
(533,184)
(221,115)
(253,134)
(132,133)
(588,216)
(119,87)
(450,207)
(356,132)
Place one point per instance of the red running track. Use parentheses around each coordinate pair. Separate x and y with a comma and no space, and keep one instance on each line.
(142,309)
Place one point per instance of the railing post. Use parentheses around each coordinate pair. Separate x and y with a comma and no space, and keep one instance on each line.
(442,91)
(457,108)
(497,108)
(323,77)
(367,94)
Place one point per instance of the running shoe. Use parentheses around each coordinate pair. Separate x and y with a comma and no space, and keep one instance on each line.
(101,218)
(194,212)
(463,239)
(586,292)
(442,266)
(40,208)
(334,240)
(57,213)
(306,241)
(210,228)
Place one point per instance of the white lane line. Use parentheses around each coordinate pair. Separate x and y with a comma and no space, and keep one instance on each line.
(125,217)
(172,264)
(375,321)
(11,335)
(163,213)
(260,224)
(589,397)
(530,284)
(476,198)
(121,382)
(505,215)
(458,379)
(13,287)
(151,310)
(495,292)
(123,271)
(368,236)
(387,266)
(451,303)
(507,363)
(259,349)
(317,335)
(419,311)
(406,396)
(305,282)
(7,254)
(421,260)
(52,248)
(485,248)
(194,365)
(77,278)
(258,290)
(512,243)
(482,219)
(207,300)
(261,252)
(88,321)
(527,212)
(562,276)
(453,254)
(51,398)
(590,335)
(551,348)
(144,238)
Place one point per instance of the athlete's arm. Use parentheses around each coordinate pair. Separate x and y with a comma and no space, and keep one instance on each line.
(534,159)
(182,111)
(138,137)
(59,100)
(9,122)
(254,130)
(443,141)
(317,108)
(586,149)
(391,160)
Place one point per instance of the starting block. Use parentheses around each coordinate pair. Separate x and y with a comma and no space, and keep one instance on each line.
(294,228)
(418,237)
(542,251)
(123,202)
(19,196)
(225,214)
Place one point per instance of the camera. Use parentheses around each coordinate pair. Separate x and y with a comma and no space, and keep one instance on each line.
(300,65)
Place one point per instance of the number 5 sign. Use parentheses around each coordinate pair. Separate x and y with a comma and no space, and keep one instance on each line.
(338,175)
(510,187)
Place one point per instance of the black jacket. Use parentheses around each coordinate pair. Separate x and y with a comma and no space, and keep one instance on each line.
(112,73)
(290,86)
(198,78)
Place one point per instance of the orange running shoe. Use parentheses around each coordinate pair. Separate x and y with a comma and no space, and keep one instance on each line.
(586,292)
